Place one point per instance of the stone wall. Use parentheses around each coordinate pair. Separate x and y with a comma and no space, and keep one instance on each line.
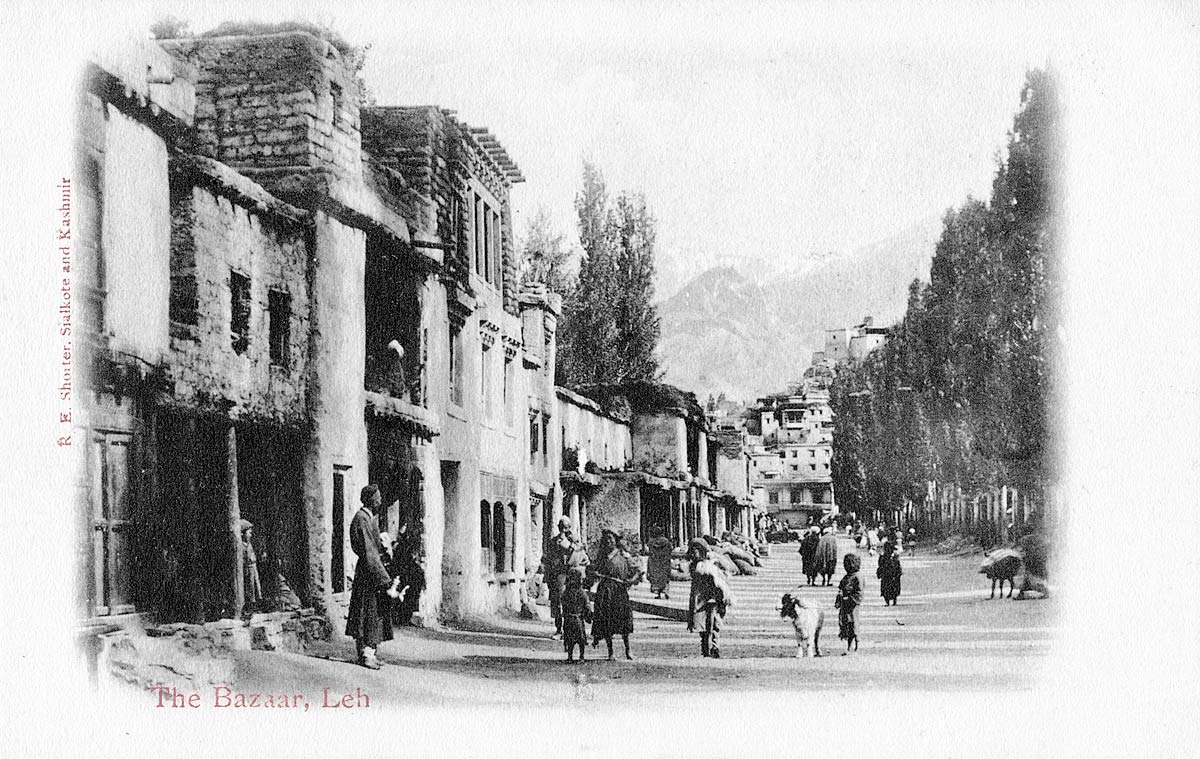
(221,237)
(274,100)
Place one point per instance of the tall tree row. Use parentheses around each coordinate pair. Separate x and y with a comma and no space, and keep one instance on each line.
(610,327)
(962,391)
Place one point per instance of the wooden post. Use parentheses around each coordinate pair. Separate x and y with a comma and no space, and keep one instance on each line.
(235,516)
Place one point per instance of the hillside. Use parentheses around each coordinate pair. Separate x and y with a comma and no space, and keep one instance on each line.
(744,334)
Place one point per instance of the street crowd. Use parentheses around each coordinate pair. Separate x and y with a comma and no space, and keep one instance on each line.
(594,590)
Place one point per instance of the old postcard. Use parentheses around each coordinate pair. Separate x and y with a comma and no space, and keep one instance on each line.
(523,380)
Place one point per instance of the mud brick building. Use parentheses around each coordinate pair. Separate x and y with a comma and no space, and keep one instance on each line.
(670,480)
(287,297)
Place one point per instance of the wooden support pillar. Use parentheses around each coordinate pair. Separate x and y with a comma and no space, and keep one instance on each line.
(1004,514)
(235,516)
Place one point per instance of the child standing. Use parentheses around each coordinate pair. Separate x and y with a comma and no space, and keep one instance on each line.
(576,609)
(709,598)
(849,598)
(889,572)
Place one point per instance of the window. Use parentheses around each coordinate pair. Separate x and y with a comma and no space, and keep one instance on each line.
(488,260)
(239,311)
(477,228)
(813,467)
(795,467)
(279,315)
(812,452)
(773,497)
(485,535)
(499,538)
(456,365)
(496,263)
(546,442)
(534,438)
(339,102)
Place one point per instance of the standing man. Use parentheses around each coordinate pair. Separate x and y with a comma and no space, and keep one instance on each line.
(369,621)
(564,555)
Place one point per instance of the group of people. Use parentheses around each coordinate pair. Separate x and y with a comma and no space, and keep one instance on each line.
(612,572)
(387,581)
(819,554)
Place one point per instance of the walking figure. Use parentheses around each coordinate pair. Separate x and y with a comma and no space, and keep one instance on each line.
(849,598)
(576,610)
(889,572)
(709,598)
(658,565)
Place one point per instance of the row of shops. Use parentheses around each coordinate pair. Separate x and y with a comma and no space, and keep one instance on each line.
(283,297)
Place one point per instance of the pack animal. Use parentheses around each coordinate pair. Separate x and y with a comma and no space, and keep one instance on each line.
(1000,566)
(807,619)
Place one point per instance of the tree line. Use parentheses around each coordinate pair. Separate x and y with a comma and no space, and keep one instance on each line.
(962,390)
(609,330)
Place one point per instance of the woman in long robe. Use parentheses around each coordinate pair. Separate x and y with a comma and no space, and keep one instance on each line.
(658,564)
(889,572)
(826,557)
(613,615)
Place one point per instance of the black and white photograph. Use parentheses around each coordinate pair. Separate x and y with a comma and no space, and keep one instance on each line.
(643,379)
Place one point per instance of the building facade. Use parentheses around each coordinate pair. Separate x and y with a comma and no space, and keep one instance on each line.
(791,453)
(285,297)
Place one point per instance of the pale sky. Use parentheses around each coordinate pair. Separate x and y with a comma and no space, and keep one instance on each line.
(771,131)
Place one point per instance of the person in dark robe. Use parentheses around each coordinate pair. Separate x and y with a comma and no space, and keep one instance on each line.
(368,620)
(613,613)
(826,555)
(709,598)
(406,567)
(808,554)
(849,598)
(576,610)
(889,572)
(658,564)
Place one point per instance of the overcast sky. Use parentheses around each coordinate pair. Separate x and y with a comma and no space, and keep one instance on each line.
(774,132)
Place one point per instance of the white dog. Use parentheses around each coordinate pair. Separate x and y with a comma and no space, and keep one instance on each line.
(808,619)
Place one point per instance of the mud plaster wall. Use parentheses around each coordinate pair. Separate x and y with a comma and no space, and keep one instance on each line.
(136,237)
(614,505)
(335,394)
(225,237)
(660,435)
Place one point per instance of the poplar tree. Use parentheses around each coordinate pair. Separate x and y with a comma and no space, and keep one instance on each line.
(610,328)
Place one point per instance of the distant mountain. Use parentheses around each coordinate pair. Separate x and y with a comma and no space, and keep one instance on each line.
(743,333)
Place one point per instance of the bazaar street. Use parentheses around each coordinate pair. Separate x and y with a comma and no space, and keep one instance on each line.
(945,634)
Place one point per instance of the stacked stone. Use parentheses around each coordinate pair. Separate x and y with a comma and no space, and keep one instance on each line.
(271,101)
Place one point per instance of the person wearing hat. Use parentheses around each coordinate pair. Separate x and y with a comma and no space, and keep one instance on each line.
(565,554)
(250,578)
(708,600)
(369,620)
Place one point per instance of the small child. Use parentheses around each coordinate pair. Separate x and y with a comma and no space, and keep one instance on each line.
(576,609)
(849,598)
